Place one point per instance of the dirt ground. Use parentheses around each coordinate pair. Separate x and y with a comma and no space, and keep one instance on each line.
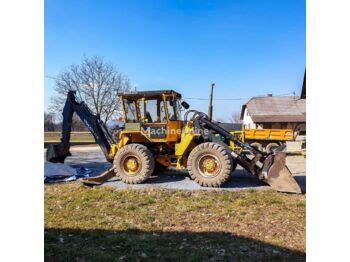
(90,156)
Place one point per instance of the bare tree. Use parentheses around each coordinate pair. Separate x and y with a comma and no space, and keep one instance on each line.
(96,82)
(236,117)
(49,124)
(77,124)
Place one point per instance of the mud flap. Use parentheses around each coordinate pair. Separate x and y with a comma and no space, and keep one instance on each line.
(98,180)
(277,174)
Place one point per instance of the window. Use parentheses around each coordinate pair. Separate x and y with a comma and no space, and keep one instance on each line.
(171,108)
(155,110)
(163,117)
(178,110)
(151,114)
(130,110)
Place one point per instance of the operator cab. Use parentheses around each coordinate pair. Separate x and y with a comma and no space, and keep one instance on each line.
(157,114)
(151,106)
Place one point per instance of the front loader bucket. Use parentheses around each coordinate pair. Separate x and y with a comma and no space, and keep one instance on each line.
(277,174)
(56,154)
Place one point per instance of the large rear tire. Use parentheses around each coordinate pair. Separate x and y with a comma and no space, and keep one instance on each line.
(210,164)
(133,163)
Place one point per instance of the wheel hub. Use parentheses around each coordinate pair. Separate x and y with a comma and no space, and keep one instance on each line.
(131,165)
(209,165)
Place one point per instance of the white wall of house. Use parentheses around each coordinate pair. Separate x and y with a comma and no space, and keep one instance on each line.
(247,120)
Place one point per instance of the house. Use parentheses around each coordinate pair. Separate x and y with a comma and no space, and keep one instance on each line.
(275,112)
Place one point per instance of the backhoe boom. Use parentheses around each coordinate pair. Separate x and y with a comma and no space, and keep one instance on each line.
(58,152)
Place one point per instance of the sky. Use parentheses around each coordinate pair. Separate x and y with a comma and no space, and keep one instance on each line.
(247,48)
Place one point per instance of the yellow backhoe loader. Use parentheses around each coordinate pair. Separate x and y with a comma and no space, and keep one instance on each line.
(154,135)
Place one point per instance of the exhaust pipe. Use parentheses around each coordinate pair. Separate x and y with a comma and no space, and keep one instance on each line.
(210,109)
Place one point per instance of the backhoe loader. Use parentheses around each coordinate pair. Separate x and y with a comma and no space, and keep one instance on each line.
(154,135)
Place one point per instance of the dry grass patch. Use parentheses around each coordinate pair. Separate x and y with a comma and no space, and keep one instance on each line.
(85,223)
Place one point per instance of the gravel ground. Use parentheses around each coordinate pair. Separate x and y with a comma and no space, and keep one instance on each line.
(92,157)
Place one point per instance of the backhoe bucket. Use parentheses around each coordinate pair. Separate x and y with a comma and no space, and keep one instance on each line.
(56,153)
(277,174)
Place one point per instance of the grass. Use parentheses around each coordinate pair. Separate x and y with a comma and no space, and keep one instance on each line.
(103,223)
(77,137)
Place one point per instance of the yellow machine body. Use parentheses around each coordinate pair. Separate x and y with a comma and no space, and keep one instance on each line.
(174,138)
(178,140)
(153,119)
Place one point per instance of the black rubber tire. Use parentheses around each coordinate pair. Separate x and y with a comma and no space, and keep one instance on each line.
(270,147)
(210,149)
(143,154)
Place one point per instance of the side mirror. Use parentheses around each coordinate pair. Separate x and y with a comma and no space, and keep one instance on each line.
(185,105)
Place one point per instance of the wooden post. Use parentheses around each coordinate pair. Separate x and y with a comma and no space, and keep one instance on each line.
(210,109)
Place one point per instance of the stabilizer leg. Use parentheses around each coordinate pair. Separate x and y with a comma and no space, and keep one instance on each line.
(100,179)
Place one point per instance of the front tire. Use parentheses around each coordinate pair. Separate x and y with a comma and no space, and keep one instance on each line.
(210,164)
(133,163)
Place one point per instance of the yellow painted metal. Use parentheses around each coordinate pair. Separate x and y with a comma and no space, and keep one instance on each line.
(131,165)
(182,161)
(209,165)
(123,140)
(187,137)
(240,136)
(174,129)
(178,137)
(262,134)
(113,151)
(269,134)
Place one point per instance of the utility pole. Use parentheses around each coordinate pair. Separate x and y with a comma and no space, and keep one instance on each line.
(210,109)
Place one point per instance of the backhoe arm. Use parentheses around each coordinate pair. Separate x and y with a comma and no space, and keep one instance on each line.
(58,152)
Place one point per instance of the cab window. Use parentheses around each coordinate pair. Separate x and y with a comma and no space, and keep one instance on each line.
(130,110)
(171,105)
(152,111)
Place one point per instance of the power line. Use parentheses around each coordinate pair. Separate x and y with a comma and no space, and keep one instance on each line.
(240,98)
(51,77)
(199,98)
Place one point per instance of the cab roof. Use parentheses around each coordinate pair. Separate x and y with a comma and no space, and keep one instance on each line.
(148,94)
